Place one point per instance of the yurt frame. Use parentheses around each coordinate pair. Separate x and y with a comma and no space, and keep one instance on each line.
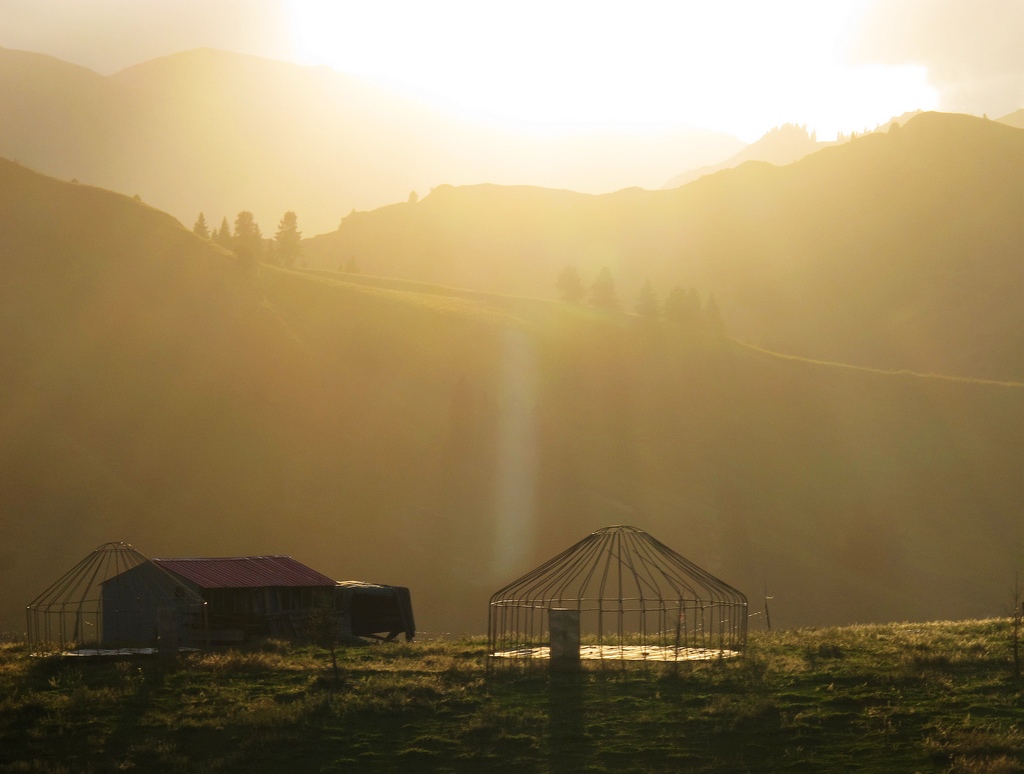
(637,600)
(113,600)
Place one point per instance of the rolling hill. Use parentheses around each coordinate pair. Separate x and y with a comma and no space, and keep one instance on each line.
(160,392)
(900,250)
(217,132)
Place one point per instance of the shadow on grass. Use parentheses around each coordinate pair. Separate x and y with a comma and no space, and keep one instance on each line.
(571,747)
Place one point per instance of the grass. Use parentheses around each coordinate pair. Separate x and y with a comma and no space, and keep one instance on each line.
(901,697)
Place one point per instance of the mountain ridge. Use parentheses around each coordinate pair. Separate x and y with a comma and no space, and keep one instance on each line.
(780,146)
(886,223)
(218,132)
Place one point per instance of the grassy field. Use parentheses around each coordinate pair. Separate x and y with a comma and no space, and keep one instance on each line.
(898,697)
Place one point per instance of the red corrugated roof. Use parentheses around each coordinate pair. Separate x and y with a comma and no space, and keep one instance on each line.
(245,572)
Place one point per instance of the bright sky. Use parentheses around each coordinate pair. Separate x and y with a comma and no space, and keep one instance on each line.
(742,66)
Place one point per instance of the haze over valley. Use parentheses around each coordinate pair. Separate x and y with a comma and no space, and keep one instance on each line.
(798,360)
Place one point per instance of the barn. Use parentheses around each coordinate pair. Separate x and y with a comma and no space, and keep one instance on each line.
(249,597)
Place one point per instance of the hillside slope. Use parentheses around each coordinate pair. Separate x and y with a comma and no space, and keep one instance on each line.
(157,392)
(902,250)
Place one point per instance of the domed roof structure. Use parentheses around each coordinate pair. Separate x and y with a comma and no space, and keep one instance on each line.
(637,600)
(112,599)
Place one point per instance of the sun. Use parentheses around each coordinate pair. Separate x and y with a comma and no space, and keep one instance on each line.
(738,66)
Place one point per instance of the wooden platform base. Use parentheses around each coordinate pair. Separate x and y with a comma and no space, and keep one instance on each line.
(626,653)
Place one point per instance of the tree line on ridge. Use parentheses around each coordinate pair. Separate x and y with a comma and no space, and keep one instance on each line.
(247,242)
(681,306)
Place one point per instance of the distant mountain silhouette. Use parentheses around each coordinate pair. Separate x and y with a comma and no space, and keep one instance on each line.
(1014,119)
(898,250)
(217,132)
(159,391)
(781,146)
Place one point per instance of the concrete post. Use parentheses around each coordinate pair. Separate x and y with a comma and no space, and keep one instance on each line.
(564,628)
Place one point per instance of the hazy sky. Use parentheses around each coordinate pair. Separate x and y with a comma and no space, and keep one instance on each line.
(740,66)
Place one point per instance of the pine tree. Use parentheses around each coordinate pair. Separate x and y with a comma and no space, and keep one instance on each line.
(200,228)
(713,317)
(248,239)
(223,237)
(602,292)
(675,305)
(693,306)
(286,241)
(570,286)
(683,307)
(647,304)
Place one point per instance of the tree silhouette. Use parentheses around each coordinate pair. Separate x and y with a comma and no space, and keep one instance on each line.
(683,306)
(647,303)
(323,628)
(570,286)
(223,236)
(602,292)
(694,305)
(200,228)
(286,241)
(248,239)
(675,304)
(713,317)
